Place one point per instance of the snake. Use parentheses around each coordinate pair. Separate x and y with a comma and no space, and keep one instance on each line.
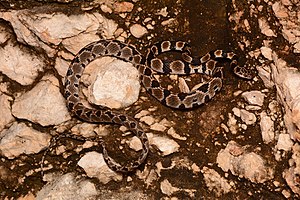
(147,66)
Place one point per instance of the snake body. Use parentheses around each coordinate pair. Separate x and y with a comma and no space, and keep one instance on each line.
(147,66)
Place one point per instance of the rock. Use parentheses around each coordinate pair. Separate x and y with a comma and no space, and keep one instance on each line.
(135,143)
(266,52)
(291,175)
(236,112)
(41,30)
(149,120)
(216,183)
(121,7)
(250,165)
(289,21)
(5,110)
(265,27)
(232,124)
(287,80)
(74,44)
(164,144)
(267,128)
(137,30)
(20,65)
(175,135)
(44,104)
(167,188)
(265,74)
(67,187)
(284,142)
(4,34)
(19,139)
(115,83)
(254,97)
(62,66)
(247,117)
(160,126)
(85,129)
(95,166)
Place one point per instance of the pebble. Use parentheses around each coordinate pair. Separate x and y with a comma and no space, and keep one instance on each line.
(284,142)
(121,7)
(219,185)
(254,97)
(165,145)
(248,117)
(265,27)
(137,30)
(266,52)
(232,124)
(267,128)
(95,166)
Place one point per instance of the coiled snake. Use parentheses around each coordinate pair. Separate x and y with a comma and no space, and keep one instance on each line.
(147,66)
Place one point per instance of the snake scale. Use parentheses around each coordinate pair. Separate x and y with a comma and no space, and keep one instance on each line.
(147,66)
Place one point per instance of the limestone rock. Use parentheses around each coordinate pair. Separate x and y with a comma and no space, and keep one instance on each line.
(19,139)
(44,104)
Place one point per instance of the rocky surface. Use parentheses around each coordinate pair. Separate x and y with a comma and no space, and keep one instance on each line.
(243,144)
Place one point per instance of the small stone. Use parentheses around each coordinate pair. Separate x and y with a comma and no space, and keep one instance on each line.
(236,112)
(195,168)
(167,188)
(232,124)
(266,52)
(254,97)
(248,117)
(164,144)
(121,7)
(158,127)
(148,120)
(173,133)
(135,144)
(84,129)
(267,128)
(142,114)
(163,12)
(265,28)
(137,30)
(95,166)
(284,142)
(215,182)
(19,139)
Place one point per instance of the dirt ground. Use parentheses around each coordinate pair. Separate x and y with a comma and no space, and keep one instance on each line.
(191,172)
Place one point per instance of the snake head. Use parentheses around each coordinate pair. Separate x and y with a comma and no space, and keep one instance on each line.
(243,72)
